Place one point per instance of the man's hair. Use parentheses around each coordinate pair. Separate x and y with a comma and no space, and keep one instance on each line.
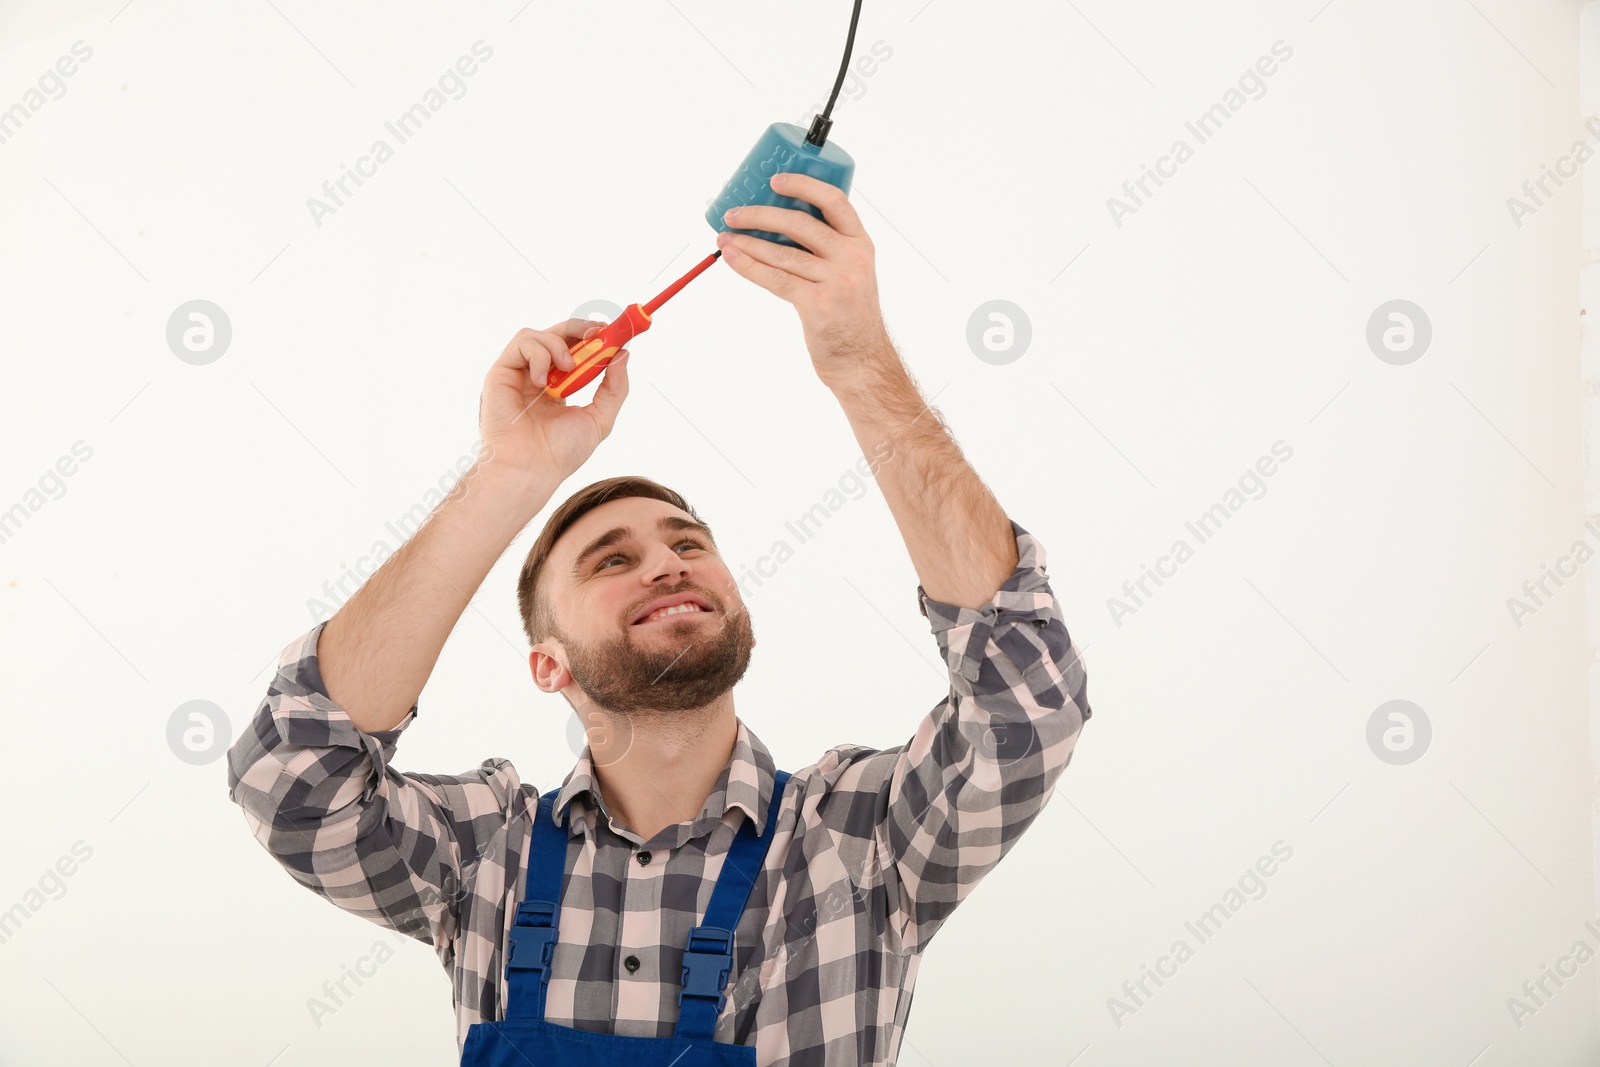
(538,622)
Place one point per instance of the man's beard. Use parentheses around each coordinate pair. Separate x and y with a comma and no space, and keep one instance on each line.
(680,674)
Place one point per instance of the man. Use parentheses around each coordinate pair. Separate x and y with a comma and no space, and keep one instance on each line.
(606,887)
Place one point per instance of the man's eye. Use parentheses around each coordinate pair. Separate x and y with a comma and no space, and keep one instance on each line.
(617,555)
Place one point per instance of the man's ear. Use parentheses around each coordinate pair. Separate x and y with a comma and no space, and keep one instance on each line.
(549,674)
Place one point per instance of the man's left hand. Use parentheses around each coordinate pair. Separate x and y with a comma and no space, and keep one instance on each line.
(834,286)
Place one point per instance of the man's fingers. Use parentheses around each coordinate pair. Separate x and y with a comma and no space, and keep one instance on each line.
(787,258)
(801,227)
(547,349)
(773,279)
(836,207)
(612,391)
(529,356)
(535,352)
(557,345)
(575,329)
(515,355)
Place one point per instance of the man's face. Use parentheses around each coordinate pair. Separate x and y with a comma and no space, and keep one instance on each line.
(604,578)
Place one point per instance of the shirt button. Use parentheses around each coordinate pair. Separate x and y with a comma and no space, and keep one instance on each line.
(632,963)
(643,858)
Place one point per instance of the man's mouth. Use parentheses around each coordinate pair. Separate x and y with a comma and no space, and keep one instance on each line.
(673,612)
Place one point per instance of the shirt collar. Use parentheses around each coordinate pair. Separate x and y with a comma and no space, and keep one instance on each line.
(745,784)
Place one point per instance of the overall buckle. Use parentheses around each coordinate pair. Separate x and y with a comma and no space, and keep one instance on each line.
(532,938)
(707,962)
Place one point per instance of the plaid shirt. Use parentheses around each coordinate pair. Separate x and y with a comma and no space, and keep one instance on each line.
(873,849)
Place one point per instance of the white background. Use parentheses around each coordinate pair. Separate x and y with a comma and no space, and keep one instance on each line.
(1228,313)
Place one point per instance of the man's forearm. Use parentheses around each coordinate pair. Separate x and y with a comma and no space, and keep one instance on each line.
(958,536)
(377,652)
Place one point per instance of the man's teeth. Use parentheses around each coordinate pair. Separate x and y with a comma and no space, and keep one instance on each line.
(674,610)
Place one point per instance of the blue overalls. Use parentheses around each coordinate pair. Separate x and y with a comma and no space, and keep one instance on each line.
(523,1037)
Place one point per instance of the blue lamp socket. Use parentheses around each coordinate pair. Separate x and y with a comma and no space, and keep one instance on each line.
(781,148)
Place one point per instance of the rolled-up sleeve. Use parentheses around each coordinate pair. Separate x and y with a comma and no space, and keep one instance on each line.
(983,762)
(323,798)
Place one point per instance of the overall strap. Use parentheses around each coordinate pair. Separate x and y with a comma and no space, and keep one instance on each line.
(533,932)
(708,957)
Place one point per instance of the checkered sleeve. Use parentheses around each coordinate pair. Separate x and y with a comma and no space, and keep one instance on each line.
(982,764)
(394,848)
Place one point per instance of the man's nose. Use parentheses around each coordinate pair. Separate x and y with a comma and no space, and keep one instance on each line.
(666,561)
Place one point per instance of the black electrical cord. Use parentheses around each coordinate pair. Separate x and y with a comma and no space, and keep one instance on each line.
(818,134)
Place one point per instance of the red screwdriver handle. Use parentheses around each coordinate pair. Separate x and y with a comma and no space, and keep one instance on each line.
(591,356)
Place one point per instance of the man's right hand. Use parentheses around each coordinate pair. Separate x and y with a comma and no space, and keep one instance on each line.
(524,428)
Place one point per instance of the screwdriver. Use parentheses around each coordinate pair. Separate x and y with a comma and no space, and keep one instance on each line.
(590,356)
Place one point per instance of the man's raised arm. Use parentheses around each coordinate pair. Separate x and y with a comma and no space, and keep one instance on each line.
(937,813)
(379,649)
(313,769)
(981,766)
